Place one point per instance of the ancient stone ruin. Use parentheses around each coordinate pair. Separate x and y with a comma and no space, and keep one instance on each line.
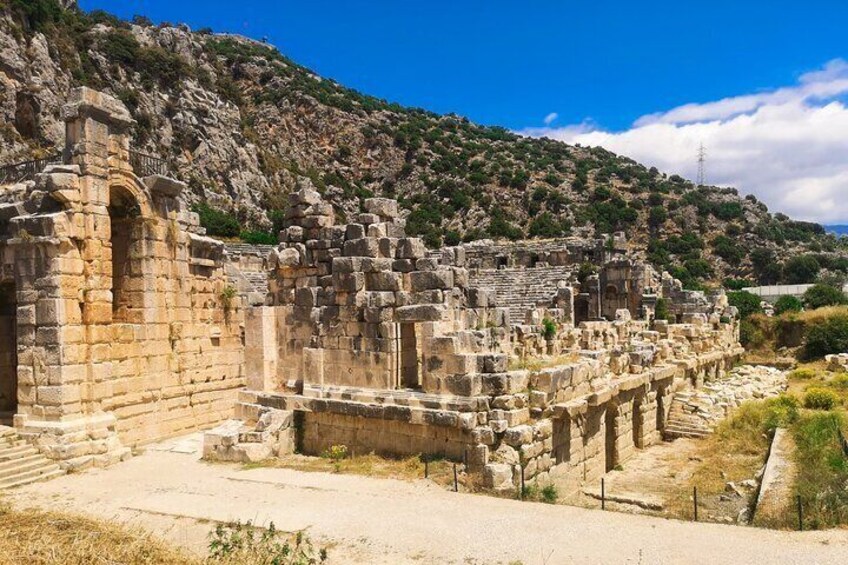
(124,324)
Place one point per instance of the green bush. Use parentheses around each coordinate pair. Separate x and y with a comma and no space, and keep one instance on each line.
(216,222)
(827,336)
(258,237)
(820,295)
(801,269)
(746,302)
(820,399)
(661,311)
(750,334)
(549,494)
(803,374)
(549,328)
(244,543)
(787,303)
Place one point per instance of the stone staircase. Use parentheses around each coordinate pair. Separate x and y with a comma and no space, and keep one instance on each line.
(684,421)
(21,463)
(520,289)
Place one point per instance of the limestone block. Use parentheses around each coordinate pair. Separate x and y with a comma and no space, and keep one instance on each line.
(304,197)
(347,264)
(411,248)
(283,258)
(349,282)
(384,281)
(518,435)
(365,247)
(355,231)
(428,280)
(377,230)
(426,264)
(383,207)
(403,265)
(420,313)
(498,476)
(367,219)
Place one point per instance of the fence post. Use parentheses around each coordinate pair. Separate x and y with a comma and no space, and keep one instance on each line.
(426,467)
(603,495)
(800,516)
(455,480)
(695,494)
(521,468)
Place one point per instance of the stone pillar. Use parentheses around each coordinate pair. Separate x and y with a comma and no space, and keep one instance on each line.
(260,347)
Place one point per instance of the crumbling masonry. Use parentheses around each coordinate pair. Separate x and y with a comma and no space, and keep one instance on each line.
(372,342)
(121,323)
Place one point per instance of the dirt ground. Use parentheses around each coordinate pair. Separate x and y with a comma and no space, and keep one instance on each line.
(656,481)
(369,520)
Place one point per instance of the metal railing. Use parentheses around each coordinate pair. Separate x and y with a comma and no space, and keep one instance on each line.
(26,170)
(145,165)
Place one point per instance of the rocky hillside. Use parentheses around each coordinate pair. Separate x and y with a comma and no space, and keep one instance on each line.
(243,125)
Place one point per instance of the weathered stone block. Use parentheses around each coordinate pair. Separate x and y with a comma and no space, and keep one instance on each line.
(427,280)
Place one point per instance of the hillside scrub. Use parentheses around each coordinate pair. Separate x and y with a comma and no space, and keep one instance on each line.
(814,333)
(821,295)
(214,107)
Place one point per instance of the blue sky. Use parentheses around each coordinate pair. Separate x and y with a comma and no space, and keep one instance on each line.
(591,67)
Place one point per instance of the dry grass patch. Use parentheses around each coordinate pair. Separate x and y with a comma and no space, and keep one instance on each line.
(370,465)
(734,453)
(36,537)
(543,362)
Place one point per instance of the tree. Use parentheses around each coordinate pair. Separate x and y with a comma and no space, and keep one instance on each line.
(787,303)
(829,336)
(820,295)
(801,269)
(746,302)
(657,216)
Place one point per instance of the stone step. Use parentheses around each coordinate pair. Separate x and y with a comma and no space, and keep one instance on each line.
(29,465)
(17,451)
(23,460)
(42,474)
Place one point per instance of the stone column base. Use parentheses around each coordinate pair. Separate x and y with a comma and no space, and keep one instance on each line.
(88,441)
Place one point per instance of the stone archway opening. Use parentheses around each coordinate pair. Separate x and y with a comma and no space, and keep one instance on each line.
(410,365)
(125,220)
(8,353)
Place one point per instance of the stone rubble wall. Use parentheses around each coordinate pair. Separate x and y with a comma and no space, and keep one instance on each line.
(696,412)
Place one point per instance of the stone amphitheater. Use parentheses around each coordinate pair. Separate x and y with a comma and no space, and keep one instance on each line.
(123,324)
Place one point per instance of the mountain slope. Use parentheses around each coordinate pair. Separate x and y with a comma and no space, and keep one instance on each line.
(243,125)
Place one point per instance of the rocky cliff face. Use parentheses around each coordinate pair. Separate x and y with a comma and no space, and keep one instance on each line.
(243,125)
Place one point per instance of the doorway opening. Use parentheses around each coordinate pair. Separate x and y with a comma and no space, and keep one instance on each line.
(124,213)
(410,364)
(8,353)
(611,450)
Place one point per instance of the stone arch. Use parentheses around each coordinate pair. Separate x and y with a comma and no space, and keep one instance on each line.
(126,184)
(126,237)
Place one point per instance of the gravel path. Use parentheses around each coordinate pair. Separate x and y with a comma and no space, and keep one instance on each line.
(168,490)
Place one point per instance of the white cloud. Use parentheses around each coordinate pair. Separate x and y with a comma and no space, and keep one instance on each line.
(550,118)
(787,146)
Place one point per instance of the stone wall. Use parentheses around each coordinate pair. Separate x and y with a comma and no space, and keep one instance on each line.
(126,329)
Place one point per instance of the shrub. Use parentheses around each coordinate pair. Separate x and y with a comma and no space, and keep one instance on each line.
(661,311)
(803,374)
(801,269)
(787,303)
(781,411)
(820,399)
(549,328)
(243,543)
(750,334)
(746,302)
(217,222)
(258,237)
(820,295)
(827,336)
(550,494)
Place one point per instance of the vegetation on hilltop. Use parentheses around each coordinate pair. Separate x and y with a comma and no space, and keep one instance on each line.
(243,124)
